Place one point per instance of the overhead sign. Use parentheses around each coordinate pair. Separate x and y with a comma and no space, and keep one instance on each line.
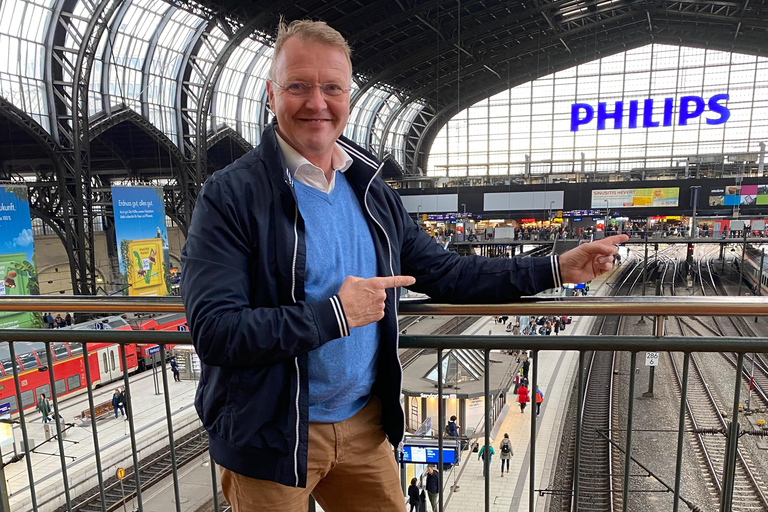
(428,455)
(636,197)
(153,350)
(688,108)
(651,359)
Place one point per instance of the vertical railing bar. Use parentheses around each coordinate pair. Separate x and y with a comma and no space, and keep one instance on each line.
(22,422)
(628,454)
(533,392)
(215,483)
(131,427)
(60,442)
(487,449)
(94,431)
(729,469)
(441,420)
(681,429)
(577,448)
(169,420)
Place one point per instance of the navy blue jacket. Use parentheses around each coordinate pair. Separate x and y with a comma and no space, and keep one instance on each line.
(243,289)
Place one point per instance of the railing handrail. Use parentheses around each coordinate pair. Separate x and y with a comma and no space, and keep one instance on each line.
(584,306)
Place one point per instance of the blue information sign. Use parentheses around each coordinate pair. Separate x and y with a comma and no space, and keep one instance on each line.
(5,409)
(428,455)
(153,350)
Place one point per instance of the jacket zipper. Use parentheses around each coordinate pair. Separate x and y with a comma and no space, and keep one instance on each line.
(293,298)
(392,272)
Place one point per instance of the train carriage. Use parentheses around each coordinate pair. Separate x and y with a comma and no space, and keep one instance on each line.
(68,365)
(163,322)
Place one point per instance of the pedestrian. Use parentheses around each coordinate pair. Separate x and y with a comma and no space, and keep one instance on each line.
(526,366)
(413,495)
(539,400)
(516,382)
(303,336)
(516,329)
(117,403)
(485,453)
(68,319)
(433,487)
(505,452)
(59,322)
(48,320)
(522,397)
(44,406)
(175,369)
(556,325)
(452,428)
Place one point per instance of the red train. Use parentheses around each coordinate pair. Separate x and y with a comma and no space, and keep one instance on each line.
(69,368)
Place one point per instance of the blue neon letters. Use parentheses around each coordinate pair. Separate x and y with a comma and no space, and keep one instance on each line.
(690,107)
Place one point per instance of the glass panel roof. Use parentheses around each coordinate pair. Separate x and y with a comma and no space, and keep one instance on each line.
(23,26)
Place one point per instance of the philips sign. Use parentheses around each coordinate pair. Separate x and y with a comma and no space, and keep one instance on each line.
(690,107)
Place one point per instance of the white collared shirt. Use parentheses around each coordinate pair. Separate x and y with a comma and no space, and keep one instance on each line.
(308,173)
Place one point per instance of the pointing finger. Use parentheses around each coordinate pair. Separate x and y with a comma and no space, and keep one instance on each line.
(396,281)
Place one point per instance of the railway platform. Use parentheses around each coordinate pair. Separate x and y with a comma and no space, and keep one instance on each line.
(114,441)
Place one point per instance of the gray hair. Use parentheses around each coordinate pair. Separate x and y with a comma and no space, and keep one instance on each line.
(308,30)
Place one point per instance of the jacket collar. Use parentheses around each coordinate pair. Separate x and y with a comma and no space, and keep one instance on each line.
(364,166)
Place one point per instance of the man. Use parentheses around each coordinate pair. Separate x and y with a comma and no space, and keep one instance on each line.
(433,487)
(291,269)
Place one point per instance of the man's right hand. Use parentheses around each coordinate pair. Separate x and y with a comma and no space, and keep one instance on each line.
(363,299)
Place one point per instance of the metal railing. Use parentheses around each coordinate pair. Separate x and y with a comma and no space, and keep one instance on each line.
(658,307)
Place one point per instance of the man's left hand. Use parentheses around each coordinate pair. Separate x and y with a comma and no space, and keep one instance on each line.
(587,261)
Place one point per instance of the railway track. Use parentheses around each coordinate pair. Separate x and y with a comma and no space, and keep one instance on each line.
(704,415)
(152,470)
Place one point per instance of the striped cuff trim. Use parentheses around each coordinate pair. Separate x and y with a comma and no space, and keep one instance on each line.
(341,318)
(556,277)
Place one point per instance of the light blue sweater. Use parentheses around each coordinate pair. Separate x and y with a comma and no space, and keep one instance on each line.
(339,244)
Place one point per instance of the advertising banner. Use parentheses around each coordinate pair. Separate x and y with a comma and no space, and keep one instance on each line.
(18,273)
(636,197)
(142,241)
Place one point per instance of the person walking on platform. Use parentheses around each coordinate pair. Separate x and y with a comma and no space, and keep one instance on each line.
(485,453)
(68,319)
(505,452)
(44,406)
(433,487)
(522,397)
(414,499)
(526,366)
(117,403)
(175,369)
(452,428)
(539,400)
(291,268)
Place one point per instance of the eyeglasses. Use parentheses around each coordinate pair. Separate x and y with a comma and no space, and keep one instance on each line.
(305,89)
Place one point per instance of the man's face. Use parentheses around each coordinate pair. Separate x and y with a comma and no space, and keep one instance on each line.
(312,123)
(429,469)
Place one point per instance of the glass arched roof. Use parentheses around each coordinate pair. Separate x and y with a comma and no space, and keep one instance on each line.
(532,121)
(148,49)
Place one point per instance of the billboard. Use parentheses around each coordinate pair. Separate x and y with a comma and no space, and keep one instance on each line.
(142,241)
(18,272)
(636,197)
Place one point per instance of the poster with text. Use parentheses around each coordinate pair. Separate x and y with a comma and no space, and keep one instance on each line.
(18,272)
(142,241)
(635,197)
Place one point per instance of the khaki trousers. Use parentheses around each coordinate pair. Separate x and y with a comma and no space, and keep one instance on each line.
(350,467)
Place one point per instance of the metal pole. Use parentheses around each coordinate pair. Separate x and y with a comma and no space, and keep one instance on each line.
(154,375)
(681,429)
(534,389)
(441,420)
(741,265)
(487,461)
(577,449)
(169,419)
(729,466)
(94,431)
(630,408)
(23,423)
(215,484)
(129,413)
(694,227)
(751,381)
(645,262)
(59,424)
